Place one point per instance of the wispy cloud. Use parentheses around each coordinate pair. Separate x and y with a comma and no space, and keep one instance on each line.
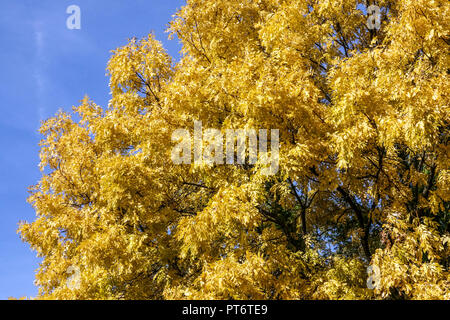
(38,73)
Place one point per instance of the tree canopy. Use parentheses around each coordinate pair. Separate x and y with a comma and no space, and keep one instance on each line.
(363,179)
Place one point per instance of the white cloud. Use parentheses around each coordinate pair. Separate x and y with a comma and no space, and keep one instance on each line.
(38,73)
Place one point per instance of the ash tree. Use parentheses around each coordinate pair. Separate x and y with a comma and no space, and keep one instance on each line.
(363,179)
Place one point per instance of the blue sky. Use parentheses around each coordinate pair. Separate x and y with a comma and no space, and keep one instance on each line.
(45,67)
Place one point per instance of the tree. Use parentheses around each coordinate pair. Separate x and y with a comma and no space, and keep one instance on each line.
(363,178)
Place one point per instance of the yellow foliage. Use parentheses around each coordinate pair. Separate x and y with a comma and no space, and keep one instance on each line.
(363,179)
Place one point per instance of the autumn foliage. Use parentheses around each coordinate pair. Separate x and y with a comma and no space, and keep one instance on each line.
(363,179)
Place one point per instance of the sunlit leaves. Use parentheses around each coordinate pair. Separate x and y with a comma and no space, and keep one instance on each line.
(363,118)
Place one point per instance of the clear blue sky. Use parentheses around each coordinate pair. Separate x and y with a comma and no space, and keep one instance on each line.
(45,67)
